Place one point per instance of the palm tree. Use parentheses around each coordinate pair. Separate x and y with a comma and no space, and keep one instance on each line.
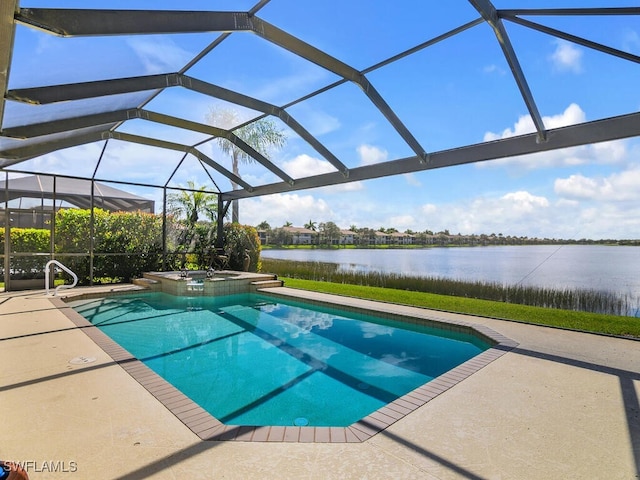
(186,206)
(311,225)
(263,135)
(190,203)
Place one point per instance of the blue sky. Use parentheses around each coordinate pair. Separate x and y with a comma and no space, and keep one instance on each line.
(456,93)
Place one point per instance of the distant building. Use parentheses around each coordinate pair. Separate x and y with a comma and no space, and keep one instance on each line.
(397,238)
(263,235)
(382,238)
(301,236)
(347,237)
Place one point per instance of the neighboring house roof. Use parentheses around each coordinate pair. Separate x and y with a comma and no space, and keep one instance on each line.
(300,230)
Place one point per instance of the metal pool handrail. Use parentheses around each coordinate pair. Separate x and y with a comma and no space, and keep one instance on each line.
(46,276)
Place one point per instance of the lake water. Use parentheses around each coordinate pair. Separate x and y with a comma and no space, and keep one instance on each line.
(596,267)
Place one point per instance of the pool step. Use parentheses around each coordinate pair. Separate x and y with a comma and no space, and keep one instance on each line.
(147,283)
(267,283)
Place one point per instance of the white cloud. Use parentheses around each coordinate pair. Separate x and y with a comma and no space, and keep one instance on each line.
(572,115)
(576,186)
(118,159)
(305,165)
(80,161)
(428,209)
(519,212)
(280,90)
(600,153)
(158,53)
(343,187)
(315,120)
(607,153)
(514,213)
(402,222)
(412,180)
(609,220)
(566,57)
(586,208)
(281,208)
(493,68)
(613,152)
(370,155)
(631,41)
(621,186)
(523,202)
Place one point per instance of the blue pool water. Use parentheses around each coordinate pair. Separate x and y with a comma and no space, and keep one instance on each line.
(252,360)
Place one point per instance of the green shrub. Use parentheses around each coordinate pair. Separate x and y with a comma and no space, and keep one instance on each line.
(238,240)
(192,245)
(136,235)
(73,235)
(204,239)
(31,240)
(125,243)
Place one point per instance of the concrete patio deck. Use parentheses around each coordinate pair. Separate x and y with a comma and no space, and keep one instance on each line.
(562,405)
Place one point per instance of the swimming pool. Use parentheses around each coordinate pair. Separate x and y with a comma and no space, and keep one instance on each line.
(253,359)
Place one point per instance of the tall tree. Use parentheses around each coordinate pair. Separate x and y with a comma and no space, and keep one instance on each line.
(330,232)
(263,135)
(186,206)
(311,225)
(189,204)
(264,225)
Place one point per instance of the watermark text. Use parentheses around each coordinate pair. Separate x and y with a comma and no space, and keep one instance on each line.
(40,466)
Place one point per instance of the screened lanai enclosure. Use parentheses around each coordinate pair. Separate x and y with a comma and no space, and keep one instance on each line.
(143,97)
(34,199)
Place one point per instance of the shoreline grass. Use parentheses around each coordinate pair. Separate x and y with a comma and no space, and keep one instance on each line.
(584,300)
(566,319)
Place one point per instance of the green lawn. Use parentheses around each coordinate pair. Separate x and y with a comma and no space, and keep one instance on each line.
(590,322)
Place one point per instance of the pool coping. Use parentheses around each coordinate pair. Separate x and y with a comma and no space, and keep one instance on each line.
(208,428)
